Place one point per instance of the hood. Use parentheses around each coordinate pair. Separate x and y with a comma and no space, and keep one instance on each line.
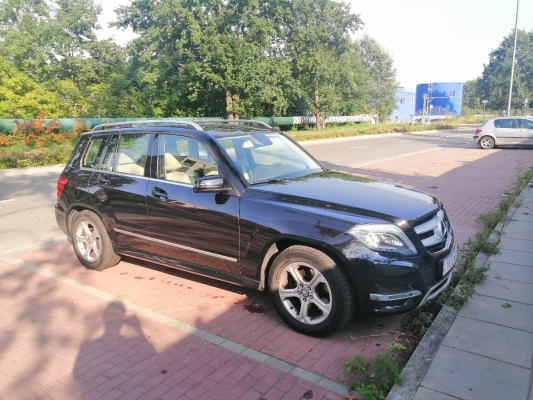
(348,194)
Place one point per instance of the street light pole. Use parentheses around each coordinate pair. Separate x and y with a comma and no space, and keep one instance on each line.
(514,57)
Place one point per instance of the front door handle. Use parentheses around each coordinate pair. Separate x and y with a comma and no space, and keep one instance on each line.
(102,180)
(159,194)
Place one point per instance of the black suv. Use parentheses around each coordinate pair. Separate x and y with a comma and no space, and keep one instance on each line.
(241,202)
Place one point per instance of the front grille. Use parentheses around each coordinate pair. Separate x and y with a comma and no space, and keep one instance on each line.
(433,231)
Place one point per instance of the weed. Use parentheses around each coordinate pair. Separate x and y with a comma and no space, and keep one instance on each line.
(374,380)
(506,305)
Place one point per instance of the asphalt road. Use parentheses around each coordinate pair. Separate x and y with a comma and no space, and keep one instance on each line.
(346,153)
(28,195)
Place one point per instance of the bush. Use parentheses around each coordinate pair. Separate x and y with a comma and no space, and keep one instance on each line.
(37,133)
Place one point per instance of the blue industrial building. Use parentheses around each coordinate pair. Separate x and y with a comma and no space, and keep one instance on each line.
(439,98)
(405,107)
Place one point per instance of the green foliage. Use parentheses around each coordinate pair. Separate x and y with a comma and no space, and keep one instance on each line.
(50,155)
(374,380)
(382,85)
(493,85)
(22,97)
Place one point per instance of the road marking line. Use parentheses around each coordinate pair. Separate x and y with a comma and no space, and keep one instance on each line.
(5,201)
(358,147)
(404,141)
(217,340)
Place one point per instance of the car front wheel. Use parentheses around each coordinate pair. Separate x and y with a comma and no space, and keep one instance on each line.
(310,292)
(91,242)
(486,142)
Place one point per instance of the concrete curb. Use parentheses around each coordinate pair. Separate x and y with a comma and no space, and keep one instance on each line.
(421,359)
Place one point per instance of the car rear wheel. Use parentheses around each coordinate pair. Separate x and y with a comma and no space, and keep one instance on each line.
(91,242)
(486,142)
(310,292)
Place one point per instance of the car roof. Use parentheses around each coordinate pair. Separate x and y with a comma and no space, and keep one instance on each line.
(202,127)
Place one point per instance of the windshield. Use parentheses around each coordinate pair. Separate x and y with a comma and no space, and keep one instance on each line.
(267,156)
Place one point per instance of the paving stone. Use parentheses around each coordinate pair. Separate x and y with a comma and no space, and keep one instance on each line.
(512,272)
(507,290)
(489,309)
(516,244)
(470,376)
(423,393)
(513,257)
(490,340)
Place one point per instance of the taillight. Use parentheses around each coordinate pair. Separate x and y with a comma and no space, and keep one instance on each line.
(61,182)
(478,131)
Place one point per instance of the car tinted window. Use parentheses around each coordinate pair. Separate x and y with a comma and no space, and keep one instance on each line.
(525,123)
(109,153)
(94,152)
(503,123)
(79,150)
(132,153)
(183,159)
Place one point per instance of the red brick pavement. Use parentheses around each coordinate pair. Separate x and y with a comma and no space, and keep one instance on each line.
(57,341)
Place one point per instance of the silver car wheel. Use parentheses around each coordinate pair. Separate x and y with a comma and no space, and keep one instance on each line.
(486,142)
(88,241)
(305,293)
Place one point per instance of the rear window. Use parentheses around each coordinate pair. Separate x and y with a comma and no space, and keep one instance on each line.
(94,151)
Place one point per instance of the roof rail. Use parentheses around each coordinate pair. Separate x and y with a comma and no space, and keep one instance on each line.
(155,122)
(204,122)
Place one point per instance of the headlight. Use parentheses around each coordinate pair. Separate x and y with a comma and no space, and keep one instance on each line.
(388,238)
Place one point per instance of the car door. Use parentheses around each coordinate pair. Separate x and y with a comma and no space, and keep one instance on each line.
(200,229)
(506,131)
(118,188)
(525,127)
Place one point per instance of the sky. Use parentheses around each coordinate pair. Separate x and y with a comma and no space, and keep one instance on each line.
(429,40)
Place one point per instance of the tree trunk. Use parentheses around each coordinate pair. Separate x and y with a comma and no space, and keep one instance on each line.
(229,105)
(317,105)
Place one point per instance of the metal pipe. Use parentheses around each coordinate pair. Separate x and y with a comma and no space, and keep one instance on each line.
(514,57)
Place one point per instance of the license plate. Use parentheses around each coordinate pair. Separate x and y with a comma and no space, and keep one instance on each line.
(449,262)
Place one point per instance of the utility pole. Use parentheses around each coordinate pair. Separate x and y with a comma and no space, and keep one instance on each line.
(514,57)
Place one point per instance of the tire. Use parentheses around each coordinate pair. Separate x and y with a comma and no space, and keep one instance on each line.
(310,292)
(91,242)
(486,142)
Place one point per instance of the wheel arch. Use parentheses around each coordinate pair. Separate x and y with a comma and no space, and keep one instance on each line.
(276,247)
(77,208)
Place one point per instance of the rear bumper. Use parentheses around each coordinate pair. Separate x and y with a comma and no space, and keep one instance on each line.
(61,218)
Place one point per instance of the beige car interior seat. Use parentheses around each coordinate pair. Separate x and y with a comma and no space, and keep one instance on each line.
(127,166)
(172,165)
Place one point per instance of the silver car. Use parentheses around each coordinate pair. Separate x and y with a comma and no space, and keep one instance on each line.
(514,131)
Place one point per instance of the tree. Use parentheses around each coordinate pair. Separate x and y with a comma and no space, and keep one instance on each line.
(495,80)
(22,97)
(471,94)
(207,57)
(318,36)
(381,83)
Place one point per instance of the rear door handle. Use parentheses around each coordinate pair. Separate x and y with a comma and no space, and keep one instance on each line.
(159,194)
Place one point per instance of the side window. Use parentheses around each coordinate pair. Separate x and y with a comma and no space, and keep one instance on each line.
(525,123)
(109,153)
(183,159)
(77,154)
(94,152)
(503,123)
(132,153)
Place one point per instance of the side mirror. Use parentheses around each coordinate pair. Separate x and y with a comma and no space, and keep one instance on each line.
(208,184)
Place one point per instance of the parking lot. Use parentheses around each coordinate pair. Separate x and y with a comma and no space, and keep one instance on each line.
(140,330)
